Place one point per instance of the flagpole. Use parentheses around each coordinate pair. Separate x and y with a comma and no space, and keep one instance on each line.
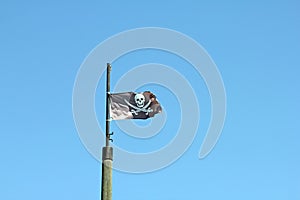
(107,151)
(108,69)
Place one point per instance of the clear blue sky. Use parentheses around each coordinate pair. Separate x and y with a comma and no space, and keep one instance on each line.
(256,47)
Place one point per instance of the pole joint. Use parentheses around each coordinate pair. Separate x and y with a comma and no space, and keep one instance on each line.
(107,153)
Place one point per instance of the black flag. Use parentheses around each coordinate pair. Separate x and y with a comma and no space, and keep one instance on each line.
(130,105)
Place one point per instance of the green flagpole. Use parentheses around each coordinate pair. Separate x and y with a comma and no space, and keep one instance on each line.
(107,151)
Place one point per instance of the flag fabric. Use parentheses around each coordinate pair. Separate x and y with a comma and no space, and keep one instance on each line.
(130,105)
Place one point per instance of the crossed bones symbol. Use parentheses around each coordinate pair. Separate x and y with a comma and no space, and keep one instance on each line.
(137,109)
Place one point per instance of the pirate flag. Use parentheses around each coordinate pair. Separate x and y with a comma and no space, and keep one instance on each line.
(130,105)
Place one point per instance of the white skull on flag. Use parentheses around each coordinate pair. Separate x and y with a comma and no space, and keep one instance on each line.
(139,100)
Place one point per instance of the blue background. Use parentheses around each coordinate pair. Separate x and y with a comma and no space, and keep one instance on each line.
(256,47)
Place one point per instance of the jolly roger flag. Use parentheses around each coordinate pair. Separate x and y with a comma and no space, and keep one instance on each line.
(130,105)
